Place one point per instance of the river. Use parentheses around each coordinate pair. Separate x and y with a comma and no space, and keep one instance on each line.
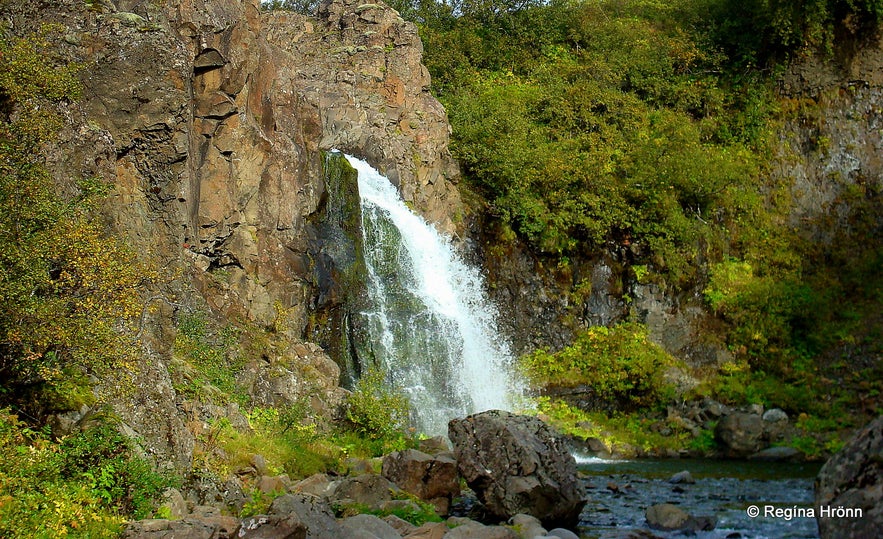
(620,491)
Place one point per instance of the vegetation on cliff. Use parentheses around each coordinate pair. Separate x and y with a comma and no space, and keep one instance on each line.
(645,130)
(68,292)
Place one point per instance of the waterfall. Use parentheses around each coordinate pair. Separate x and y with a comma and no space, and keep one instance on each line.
(431,328)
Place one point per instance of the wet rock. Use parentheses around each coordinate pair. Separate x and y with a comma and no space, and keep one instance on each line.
(740,434)
(434,445)
(682,477)
(431,478)
(853,479)
(777,454)
(667,517)
(516,464)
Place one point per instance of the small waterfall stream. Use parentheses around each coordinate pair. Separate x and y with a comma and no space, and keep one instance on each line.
(430,326)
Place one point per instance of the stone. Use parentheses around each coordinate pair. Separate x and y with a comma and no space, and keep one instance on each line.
(431,478)
(434,445)
(273,484)
(313,512)
(319,484)
(774,415)
(667,517)
(374,525)
(561,533)
(370,490)
(682,477)
(175,502)
(187,528)
(527,526)
(259,463)
(852,479)
(400,525)
(777,454)
(272,527)
(430,530)
(670,517)
(517,464)
(476,530)
(740,434)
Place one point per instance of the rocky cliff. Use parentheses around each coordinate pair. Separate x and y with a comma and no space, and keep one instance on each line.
(210,118)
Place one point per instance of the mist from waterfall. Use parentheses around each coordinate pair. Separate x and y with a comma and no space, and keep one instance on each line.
(432,330)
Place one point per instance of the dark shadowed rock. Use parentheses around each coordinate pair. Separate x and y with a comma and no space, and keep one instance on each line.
(740,434)
(431,478)
(516,464)
(853,480)
(777,454)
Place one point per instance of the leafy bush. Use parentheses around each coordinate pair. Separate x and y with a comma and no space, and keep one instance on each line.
(85,485)
(377,410)
(621,365)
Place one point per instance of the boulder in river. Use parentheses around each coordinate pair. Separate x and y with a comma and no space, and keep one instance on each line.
(517,464)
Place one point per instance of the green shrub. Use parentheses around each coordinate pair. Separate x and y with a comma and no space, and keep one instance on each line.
(85,485)
(621,365)
(377,410)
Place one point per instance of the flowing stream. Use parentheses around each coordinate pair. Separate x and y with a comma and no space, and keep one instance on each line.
(431,328)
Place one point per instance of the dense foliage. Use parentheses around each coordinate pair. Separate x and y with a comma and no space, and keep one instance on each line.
(620,365)
(643,130)
(66,289)
(86,485)
(596,124)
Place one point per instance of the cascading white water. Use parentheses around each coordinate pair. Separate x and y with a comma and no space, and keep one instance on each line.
(431,328)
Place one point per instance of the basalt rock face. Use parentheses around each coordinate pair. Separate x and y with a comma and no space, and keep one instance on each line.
(852,481)
(211,120)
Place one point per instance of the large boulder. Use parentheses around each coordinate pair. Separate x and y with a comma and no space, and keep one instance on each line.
(314,513)
(431,478)
(517,464)
(851,482)
(740,434)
